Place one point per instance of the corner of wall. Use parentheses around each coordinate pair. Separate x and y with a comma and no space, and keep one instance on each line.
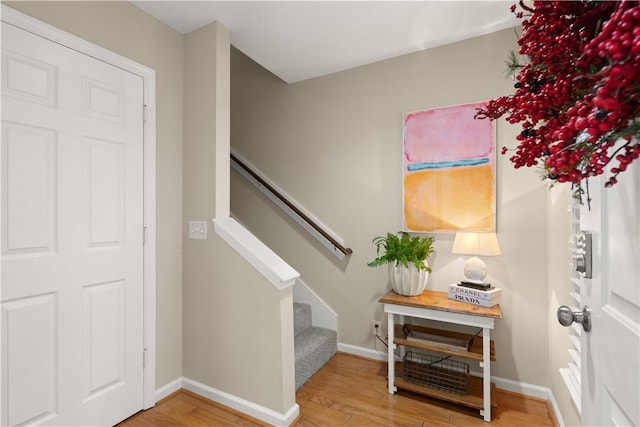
(225,299)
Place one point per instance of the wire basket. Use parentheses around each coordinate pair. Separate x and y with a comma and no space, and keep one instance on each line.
(436,372)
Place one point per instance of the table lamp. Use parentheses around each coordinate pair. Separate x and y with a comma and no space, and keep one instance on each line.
(475,243)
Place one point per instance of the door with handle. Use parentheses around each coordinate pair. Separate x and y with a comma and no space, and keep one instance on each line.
(608,258)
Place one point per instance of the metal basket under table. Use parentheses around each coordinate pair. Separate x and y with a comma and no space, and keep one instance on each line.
(439,372)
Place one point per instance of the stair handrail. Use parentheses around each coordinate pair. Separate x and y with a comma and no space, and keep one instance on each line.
(296,213)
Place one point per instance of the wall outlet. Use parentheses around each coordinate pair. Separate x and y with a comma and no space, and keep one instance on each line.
(376,327)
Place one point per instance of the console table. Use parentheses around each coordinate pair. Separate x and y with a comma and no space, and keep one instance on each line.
(434,305)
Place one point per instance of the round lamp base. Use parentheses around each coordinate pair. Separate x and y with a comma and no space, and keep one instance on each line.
(475,270)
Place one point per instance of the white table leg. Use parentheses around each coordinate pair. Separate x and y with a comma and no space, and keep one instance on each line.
(486,373)
(391,366)
(399,352)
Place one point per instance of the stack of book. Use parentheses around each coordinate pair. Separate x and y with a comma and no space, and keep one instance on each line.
(485,296)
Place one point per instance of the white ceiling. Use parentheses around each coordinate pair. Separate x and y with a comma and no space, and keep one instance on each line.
(298,40)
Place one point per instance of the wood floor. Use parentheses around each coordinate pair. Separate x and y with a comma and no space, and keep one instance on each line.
(350,391)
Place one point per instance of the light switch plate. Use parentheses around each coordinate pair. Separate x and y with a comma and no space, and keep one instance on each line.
(198,230)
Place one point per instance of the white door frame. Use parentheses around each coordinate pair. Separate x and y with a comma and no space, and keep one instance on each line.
(148,75)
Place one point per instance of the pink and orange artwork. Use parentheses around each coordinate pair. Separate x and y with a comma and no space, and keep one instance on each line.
(449,170)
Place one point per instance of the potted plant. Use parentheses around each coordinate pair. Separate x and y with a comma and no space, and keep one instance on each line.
(407,260)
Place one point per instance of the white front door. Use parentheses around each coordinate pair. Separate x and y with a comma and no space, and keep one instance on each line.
(72,231)
(610,352)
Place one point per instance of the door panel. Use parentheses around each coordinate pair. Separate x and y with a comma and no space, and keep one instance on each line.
(28,78)
(72,221)
(29,190)
(102,101)
(30,343)
(104,337)
(103,217)
(611,351)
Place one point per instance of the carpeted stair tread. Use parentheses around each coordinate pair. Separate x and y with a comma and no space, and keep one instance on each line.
(313,348)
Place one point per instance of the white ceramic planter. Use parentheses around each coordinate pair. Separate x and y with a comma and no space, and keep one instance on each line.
(407,281)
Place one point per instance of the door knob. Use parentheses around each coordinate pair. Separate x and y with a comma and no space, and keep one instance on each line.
(566,317)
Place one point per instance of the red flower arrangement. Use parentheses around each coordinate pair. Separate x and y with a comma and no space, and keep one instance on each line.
(577,95)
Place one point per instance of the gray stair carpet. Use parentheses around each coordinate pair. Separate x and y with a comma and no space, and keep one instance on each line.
(314,346)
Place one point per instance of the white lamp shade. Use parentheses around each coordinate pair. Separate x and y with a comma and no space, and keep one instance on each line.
(470,243)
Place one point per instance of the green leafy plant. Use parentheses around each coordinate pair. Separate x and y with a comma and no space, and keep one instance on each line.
(403,249)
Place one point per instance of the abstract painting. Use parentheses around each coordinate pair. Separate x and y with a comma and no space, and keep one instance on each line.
(449,170)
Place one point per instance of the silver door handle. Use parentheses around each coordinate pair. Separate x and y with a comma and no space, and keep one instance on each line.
(566,317)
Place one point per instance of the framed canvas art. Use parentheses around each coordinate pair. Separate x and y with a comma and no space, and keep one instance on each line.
(449,170)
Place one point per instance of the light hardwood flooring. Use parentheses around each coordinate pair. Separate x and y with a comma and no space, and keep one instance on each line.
(351,391)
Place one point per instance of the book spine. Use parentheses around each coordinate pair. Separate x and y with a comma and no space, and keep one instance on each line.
(489,296)
(473,300)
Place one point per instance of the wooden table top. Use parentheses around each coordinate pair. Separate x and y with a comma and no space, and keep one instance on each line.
(436,300)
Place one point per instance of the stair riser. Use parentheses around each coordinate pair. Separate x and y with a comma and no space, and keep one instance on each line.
(301,317)
(313,349)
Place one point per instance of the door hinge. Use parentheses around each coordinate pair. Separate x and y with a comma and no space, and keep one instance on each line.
(144,235)
(144,113)
(144,357)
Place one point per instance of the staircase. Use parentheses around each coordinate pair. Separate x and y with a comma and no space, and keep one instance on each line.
(314,346)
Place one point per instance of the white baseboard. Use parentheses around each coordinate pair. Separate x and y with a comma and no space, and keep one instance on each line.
(241,405)
(362,351)
(518,387)
(556,409)
(168,388)
(501,383)
(251,409)
(278,419)
(532,390)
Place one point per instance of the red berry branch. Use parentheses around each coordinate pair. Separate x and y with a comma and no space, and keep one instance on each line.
(577,97)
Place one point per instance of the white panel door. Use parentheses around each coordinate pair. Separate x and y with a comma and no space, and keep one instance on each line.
(72,249)
(610,352)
